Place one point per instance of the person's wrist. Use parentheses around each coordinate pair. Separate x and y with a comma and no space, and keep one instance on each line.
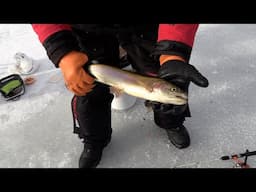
(164,58)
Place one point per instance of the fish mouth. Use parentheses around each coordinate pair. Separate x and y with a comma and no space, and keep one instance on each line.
(183,97)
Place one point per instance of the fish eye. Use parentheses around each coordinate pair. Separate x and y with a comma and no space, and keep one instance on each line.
(173,89)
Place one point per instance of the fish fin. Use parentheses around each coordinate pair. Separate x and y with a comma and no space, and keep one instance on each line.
(149,109)
(148,105)
(115,91)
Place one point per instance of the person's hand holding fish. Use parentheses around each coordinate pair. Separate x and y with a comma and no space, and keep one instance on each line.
(76,78)
(176,70)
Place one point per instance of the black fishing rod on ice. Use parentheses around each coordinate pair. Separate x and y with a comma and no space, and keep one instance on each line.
(235,157)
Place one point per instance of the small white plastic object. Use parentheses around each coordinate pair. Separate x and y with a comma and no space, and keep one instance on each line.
(123,101)
(24,65)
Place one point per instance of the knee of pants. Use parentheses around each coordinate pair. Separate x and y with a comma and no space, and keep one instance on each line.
(99,97)
(172,118)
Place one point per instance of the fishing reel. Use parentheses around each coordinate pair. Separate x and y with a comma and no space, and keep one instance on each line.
(12,87)
(236,159)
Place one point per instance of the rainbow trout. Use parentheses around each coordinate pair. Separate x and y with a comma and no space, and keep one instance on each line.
(145,87)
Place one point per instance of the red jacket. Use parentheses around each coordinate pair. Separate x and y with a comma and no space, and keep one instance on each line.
(184,33)
(181,37)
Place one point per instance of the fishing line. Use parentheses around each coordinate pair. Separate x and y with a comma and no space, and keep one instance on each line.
(196,163)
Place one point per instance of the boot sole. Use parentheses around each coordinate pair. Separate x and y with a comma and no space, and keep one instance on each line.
(180,146)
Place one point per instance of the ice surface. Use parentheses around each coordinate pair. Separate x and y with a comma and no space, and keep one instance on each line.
(36,131)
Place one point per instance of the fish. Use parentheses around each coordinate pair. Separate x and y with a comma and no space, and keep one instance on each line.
(137,85)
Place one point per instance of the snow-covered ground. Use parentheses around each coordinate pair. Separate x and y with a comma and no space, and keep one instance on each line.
(36,131)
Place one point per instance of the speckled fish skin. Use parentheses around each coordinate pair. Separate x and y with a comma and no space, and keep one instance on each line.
(145,87)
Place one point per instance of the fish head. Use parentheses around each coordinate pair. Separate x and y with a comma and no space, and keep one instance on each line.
(169,93)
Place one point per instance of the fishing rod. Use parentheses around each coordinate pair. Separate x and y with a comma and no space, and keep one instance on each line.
(238,162)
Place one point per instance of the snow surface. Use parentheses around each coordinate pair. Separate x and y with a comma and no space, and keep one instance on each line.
(36,131)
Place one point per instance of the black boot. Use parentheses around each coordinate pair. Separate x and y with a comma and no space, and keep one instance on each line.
(90,156)
(179,136)
(171,118)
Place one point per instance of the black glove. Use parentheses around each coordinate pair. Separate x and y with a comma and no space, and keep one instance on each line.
(181,74)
